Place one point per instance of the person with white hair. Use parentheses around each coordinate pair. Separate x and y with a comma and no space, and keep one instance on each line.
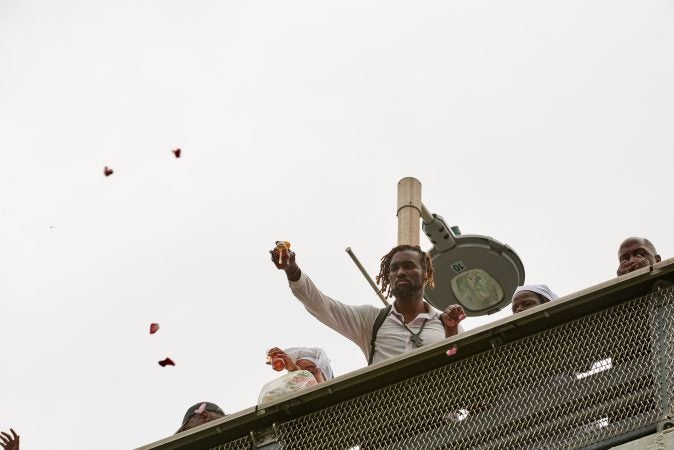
(531,295)
(311,359)
(306,367)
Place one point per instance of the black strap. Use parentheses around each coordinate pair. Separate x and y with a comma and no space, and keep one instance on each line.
(381,317)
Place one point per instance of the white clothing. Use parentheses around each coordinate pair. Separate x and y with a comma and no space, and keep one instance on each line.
(356,322)
(540,289)
(313,354)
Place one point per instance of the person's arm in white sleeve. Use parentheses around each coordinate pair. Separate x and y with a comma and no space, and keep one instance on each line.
(353,322)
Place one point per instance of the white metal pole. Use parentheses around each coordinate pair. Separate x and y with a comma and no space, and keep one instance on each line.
(366,275)
(409,211)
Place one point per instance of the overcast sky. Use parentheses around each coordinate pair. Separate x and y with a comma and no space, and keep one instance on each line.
(547,125)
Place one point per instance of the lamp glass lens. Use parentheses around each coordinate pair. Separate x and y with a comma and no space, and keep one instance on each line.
(475,289)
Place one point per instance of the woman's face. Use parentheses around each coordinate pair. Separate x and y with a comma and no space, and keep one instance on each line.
(309,366)
(524,300)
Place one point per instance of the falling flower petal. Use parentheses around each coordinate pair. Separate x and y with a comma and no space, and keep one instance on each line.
(167,362)
(153,328)
(177,152)
(451,351)
(107,171)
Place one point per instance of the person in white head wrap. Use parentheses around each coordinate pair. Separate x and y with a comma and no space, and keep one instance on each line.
(311,359)
(531,295)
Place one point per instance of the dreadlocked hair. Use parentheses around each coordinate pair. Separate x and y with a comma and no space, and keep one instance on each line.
(385,267)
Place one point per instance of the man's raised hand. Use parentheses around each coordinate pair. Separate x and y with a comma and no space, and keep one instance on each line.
(285,260)
(282,260)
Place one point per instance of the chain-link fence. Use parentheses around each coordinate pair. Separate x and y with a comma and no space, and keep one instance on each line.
(581,383)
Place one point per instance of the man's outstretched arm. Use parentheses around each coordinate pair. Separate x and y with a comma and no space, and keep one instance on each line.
(352,322)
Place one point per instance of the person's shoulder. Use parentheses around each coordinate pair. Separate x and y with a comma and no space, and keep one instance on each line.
(367,313)
(432,309)
(369,309)
(370,313)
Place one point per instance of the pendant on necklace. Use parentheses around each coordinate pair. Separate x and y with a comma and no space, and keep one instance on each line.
(417,340)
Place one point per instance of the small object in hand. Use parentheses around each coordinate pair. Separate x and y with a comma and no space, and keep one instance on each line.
(167,362)
(282,247)
(276,362)
(154,327)
(176,152)
(451,351)
(108,171)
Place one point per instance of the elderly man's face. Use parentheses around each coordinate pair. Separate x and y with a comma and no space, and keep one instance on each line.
(635,254)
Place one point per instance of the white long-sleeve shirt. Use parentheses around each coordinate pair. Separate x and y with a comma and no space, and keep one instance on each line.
(356,322)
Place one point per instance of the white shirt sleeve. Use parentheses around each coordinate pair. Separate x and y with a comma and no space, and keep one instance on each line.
(353,322)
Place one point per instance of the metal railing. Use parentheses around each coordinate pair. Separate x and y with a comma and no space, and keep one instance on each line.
(588,371)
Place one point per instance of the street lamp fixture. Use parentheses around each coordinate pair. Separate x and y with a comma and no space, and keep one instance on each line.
(476,272)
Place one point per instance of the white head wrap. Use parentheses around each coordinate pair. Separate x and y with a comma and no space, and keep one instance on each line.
(315,355)
(541,289)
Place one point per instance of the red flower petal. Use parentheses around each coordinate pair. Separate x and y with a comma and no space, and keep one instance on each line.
(153,328)
(167,362)
(107,171)
(177,152)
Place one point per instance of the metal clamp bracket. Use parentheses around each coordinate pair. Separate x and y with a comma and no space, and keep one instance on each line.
(264,437)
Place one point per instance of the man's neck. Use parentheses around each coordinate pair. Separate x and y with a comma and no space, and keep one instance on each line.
(410,307)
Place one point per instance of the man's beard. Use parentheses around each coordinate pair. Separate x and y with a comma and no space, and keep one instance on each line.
(408,291)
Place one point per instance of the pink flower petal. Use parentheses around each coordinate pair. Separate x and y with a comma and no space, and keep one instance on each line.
(108,171)
(176,152)
(153,328)
(452,351)
(167,362)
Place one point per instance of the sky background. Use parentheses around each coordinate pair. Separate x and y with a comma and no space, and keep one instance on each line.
(547,125)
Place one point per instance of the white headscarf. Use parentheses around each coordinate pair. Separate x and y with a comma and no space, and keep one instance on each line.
(541,289)
(315,355)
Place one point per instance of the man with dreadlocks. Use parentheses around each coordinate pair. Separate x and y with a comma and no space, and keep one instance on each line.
(381,333)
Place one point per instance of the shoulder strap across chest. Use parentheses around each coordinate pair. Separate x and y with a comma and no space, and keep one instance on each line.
(381,317)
